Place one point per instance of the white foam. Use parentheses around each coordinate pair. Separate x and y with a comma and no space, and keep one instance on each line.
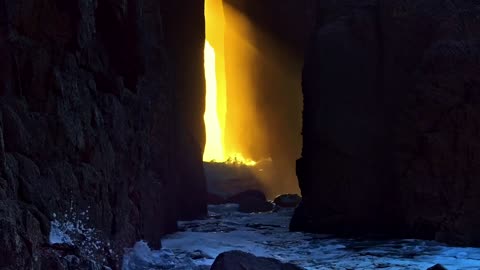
(267,235)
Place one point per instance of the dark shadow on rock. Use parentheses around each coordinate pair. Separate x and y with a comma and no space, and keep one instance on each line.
(251,201)
(239,260)
(288,200)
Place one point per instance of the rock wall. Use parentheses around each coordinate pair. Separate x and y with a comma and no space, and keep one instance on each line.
(184,24)
(391,120)
(99,111)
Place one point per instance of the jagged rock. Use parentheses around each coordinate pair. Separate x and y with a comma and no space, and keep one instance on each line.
(238,260)
(65,247)
(51,259)
(15,135)
(88,121)
(3,161)
(288,200)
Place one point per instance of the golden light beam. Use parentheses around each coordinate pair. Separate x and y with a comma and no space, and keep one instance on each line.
(216,92)
(214,145)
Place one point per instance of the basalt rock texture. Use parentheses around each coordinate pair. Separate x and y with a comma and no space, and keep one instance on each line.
(88,95)
(392,120)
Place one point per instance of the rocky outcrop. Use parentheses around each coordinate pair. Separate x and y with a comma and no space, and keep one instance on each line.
(251,201)
(239,260)
(288,200)
(89,92)
(184,24)
(391,120)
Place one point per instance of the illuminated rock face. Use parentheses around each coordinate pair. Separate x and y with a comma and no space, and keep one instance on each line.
(391,120)
(99,107)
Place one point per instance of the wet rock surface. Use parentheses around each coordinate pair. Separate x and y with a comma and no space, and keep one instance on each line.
(238,260)
(288,200)
(437,267)
(390,119)
(251,201)
(255,206)
(63,257)
(87,120)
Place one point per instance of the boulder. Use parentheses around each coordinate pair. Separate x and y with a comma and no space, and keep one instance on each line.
(251,201)
(255,206)
(437,267)
(239,260)
(288,200)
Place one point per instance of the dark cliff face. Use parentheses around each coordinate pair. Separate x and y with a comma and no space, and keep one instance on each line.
(184,23)
(88,95)
(391,120)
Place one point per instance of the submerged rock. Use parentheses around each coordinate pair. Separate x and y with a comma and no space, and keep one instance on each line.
(255,206)
(251,201)
(437,267)
(239,260)
(288,200)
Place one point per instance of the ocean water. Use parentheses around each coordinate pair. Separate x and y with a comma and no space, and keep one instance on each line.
(198,242)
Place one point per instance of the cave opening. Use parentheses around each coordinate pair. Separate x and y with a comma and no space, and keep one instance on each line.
(253,104)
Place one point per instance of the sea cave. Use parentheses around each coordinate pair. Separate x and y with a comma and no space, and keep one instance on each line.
(239,134)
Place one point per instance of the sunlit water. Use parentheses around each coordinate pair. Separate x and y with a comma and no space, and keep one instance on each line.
(199,242)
